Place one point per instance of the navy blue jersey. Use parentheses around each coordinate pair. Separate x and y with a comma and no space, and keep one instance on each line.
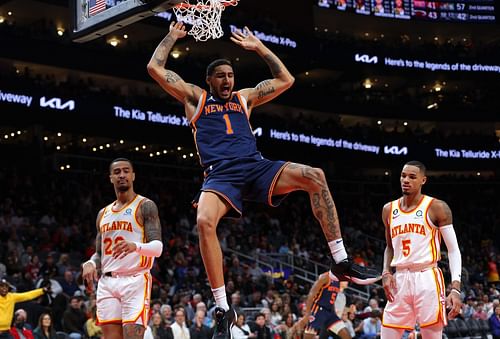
(327,295)
(221,129)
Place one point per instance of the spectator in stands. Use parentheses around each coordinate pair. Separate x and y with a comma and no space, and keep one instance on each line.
(261,330)
(371,326)
(45,329)
(74,318)
(480,312)
(68,284)
(7,301)
(49,267)
(92,330)
(348,323)
(20,329)
(236,302)
(468,308)
(63,264)
(166,314)
(495,323)
(157,328)
(198,329)
(241,330)
(179,327)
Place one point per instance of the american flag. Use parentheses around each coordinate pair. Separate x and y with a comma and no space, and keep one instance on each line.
(96,6)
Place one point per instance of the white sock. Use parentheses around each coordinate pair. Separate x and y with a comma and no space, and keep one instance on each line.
(220,297)
(338,250)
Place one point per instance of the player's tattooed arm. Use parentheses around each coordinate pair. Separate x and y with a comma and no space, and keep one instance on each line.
(170,81)
(441,213)
(151,220)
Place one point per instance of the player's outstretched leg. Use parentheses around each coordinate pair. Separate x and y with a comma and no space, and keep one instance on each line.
(312,180)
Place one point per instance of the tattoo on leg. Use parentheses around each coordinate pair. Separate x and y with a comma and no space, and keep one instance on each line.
(308,173)
(324,210)
(134,331)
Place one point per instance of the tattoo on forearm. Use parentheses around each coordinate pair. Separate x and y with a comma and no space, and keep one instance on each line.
(133,331)
(172,77)
(152,226)
(263,84)
(264,92)
(274,64)
(162,51)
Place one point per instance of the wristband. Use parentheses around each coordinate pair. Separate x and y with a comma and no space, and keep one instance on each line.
(457,291)
(386,273)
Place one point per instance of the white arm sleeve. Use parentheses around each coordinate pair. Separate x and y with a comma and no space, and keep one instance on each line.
(149,249)
(454,257)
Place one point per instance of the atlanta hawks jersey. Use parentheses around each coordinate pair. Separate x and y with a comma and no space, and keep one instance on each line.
(120,225)
(415,239)
(221,129)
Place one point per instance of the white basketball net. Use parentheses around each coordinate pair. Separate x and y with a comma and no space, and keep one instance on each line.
(204,16)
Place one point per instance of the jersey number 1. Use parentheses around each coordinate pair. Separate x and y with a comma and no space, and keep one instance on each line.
(229,128)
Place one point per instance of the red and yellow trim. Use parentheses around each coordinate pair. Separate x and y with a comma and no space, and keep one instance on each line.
(200,109)
(140,224)
(144,313)
(123,207)
(440,312)
(243,104)
(273,184)
(413,209)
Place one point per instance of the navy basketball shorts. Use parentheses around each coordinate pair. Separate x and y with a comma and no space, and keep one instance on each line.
(322,318)
(241,179)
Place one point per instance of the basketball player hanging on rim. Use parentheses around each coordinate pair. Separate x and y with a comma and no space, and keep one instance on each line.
(234,168)
(128,239)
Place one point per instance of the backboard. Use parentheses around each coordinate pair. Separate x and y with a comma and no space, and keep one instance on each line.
(92,19)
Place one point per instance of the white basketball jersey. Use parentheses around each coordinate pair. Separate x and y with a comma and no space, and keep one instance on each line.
(119,225)
(415,239)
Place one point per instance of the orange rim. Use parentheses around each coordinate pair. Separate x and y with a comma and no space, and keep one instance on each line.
(225,3)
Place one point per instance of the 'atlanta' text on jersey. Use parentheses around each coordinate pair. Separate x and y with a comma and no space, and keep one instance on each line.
(221,129)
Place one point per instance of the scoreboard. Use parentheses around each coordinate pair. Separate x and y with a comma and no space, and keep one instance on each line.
(450,10)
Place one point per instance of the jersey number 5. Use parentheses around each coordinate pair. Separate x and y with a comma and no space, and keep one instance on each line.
(108,242)
(229,128)
(406,247)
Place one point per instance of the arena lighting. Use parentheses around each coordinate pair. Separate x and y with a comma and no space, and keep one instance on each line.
(18,132)
(433,105)
(307,73)
(108,145)
(121,142)
(12,134)
(101,147)
(60,31)
(179,148)
(59,134)
(45,138)
(137,149)
(175,54)
(9,13)
(151,155)
(2,19)
(58,148)
(113,42)
(438,88)
(143,146)
(6,136)
(62,168)
(405,123)
(386,173)
(164,151)
(184,156)
(191,155)
(367,84)
(379,122)
(125,36)
(478,174)
(158,153)
(84,140)
(94,149)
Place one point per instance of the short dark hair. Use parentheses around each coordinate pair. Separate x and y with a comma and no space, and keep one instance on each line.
(211,66)
(260,315)
(121,159)
(418,164)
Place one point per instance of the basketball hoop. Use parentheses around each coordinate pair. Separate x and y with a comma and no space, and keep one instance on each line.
(204,16)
